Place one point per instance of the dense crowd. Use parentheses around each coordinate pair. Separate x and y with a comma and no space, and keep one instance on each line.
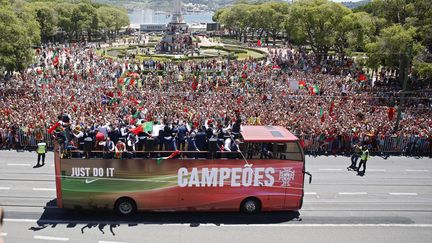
(289,87)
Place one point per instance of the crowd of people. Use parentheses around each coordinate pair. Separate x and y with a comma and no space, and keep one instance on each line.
(307,94)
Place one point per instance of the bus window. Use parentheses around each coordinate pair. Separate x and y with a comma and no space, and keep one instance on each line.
(259,150)
(289,151)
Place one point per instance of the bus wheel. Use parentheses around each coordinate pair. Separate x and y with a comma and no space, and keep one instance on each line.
(125,206)
(250,205)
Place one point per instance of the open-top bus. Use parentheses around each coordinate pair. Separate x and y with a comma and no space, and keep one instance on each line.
(268,175)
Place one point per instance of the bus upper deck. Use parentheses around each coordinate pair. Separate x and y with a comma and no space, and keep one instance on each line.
(263,171)
(254,142)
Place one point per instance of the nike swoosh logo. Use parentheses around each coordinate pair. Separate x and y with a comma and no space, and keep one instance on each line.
(87,181)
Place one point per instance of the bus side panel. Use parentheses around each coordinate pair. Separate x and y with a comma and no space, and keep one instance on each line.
(294,189)
(181,184)
(274,193)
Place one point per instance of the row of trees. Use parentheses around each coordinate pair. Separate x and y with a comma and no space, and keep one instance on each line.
(26,24)
(394,33)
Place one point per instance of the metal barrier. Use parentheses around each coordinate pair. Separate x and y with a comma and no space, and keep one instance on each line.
(30,138)
(312,144)
(405,145)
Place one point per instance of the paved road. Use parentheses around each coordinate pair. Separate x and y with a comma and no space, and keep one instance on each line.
(392,202)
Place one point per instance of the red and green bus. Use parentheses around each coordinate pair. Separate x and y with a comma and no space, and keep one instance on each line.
(268,176)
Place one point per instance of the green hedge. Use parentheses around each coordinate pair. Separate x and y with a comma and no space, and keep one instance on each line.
(222,48)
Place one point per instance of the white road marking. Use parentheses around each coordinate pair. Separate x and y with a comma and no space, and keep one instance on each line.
(3,234)
(403,193)
(330,169)
(43,189)
(21,220)
(310,193)
(41,237)
(408,170)
(322,225)
(377,170)
(4,188)
(19,164)
(103,241)
(352,193)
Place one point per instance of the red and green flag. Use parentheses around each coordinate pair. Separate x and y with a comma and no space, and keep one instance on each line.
(391,113)
(302,84)
(137,130)
(126,81)
(362,77)
(173,155)
(321,115)
(148,126)
(136,115)
(53,127)
(135,101)
(315,89)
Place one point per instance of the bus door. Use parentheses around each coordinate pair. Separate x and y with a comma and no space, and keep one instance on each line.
(291,175)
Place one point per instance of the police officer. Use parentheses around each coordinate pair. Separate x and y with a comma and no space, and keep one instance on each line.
(363,159)
(41,151)
(355,156)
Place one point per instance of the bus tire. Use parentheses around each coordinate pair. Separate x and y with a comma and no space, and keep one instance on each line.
(250,205)
(125,206)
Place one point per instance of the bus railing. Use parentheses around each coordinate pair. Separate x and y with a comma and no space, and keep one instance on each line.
(154,154)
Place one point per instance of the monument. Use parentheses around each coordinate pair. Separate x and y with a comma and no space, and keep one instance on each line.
(177,38)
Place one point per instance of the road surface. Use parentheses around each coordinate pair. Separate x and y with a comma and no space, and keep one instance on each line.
(391,203)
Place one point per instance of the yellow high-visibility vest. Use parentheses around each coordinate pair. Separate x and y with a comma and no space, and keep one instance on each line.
(364,155)
(41,148)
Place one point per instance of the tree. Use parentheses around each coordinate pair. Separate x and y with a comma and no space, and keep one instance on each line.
(230,19)
(121,18)
(353,32)
(19,32)
(395,48)
(408,14)
(64,15)
(81,18)
(278,12)
(316,22)
(46,17)
(105,21)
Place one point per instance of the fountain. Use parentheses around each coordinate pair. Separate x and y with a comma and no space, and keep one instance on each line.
(177,38)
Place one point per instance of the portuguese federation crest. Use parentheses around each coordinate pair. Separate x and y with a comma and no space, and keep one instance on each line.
(286,176)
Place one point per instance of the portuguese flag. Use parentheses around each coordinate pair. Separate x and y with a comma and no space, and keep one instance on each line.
(174,154)
(137,130)
(302,84)
(315,89)
(53,128)
(126,81)
(321,115)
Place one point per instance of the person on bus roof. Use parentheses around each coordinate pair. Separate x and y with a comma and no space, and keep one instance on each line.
(181,136)
(236,128)
(109,148)
(201,139)
(266,151)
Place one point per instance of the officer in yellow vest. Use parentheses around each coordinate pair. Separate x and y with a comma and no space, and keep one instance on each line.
(41,151)
(363,159)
